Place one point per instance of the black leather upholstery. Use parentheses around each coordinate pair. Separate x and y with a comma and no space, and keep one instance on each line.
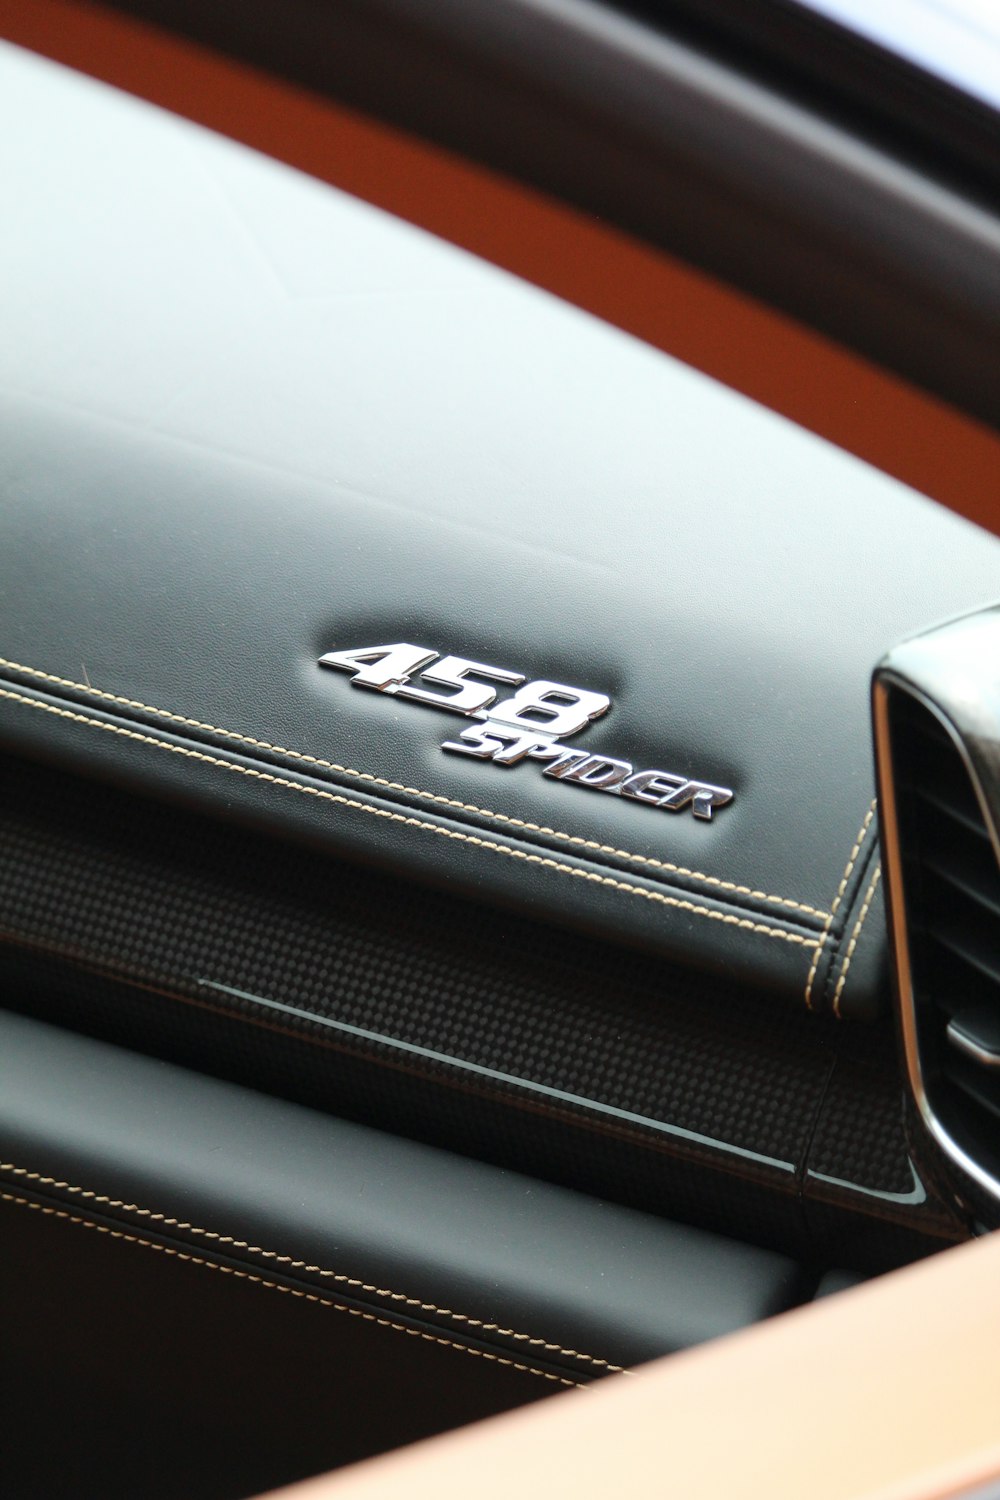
(482,474)
(453,460)
(478,1257)
(194,595)
(126,1371)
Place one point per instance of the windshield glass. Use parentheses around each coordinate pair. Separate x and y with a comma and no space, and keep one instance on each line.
(956,40)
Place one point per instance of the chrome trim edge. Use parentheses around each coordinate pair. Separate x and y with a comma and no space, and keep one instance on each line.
(884,682)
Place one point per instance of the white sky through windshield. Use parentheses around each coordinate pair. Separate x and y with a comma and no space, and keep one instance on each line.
(958,40)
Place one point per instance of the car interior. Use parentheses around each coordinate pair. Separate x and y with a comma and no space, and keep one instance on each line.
(499,786)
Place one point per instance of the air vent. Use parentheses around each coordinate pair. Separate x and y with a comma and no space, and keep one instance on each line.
(946,907)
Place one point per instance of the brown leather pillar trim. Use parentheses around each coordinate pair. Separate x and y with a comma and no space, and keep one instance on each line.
(777,361)
(887,1392)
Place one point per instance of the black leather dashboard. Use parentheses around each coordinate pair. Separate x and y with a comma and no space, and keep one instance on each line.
(312,429)
(513,1035)
(164,609)
(486,474)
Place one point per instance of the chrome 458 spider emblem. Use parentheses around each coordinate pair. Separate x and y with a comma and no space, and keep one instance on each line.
(530,723)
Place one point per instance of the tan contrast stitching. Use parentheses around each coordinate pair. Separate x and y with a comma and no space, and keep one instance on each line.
(869,897)
(411,822)
(301,1265)
(290,1291)
(413,791)
(842,887)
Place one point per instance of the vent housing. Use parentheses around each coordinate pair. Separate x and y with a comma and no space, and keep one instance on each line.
(939,804)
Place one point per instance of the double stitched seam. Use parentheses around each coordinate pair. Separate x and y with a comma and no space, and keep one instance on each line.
(300,1265)
(869,898)
(289,1291)
(412,791)
(838,898)
(339,799)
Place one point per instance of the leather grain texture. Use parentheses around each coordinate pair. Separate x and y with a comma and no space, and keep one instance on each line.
(302,426)
(204,633)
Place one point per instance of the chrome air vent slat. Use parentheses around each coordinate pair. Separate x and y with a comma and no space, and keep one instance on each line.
(975,1032)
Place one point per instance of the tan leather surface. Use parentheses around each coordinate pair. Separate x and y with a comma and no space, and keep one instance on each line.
(889,1392)
(777,361)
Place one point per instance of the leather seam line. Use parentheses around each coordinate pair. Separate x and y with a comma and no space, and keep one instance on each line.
(339,799)
(855,935)
(300,1265)
(715,881)
(276,1286)
(838,898)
